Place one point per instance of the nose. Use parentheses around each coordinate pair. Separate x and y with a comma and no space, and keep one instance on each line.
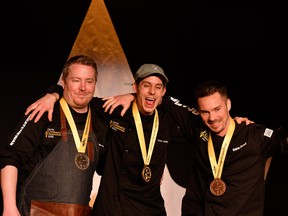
(211,116)
(82,86)
(152,90)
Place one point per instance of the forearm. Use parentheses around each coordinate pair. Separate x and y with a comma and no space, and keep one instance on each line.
(9,177)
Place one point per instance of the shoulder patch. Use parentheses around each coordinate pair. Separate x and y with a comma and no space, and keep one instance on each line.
(268,132)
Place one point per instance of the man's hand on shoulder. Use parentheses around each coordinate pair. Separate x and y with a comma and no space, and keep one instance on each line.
(38,108)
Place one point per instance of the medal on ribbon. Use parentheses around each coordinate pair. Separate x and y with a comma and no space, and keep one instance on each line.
(146,171)
(81,159)
(218,186)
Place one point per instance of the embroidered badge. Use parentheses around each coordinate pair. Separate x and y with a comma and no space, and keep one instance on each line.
(51,133)
(204,135)
(115,125)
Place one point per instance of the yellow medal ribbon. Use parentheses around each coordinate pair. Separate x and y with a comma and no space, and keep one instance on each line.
(81,146)
(218,167)
(138,123)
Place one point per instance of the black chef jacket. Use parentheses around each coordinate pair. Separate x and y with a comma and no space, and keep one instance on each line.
(122,190)
(243,171)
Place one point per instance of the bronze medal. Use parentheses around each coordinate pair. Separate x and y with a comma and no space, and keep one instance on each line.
(146,173)
(217,187)
(82,161)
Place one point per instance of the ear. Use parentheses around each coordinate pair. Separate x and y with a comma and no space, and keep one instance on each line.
(228,104)
(164,91)
(62,83)
(134,87)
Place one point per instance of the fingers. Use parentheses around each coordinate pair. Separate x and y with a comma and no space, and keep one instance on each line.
(239,120)
(112,108)
(125,108)
(31,107)
(108,101)
(35,109)
(32,115)
(39,114)
(50,114)
(38,108)
(249,122)
(107,98)
(110,104)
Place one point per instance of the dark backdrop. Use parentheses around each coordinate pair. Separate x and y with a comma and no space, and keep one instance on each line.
(191,40)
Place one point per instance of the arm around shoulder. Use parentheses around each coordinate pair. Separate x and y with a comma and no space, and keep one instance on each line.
(112,102)
(45,103)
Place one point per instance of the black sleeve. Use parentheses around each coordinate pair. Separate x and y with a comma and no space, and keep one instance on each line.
(56,89)
(186,117)
(284,140)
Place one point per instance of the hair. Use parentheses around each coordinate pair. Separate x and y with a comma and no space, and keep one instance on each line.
(210,87)
(79,59)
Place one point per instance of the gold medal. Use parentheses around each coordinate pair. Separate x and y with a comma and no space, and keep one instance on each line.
(82,161)
(146,173)
(217,187)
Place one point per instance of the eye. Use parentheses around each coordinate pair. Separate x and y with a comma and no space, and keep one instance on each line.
(90,81)
(146,85)
(203,112)
(159,87)
(75,80)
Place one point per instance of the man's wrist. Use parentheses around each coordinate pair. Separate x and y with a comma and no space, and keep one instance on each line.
(55,95)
